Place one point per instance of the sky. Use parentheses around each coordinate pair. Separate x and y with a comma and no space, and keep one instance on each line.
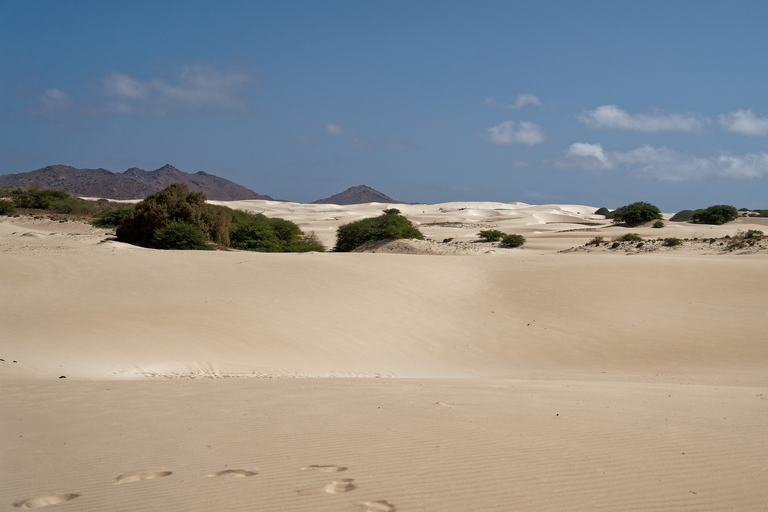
(599,103)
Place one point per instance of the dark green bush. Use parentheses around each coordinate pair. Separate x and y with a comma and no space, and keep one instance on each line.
(604,212)
(658,224)
(37,197)
(683,216)
(718,214)
(180,236)
(390,225)
(112,218)
(6,207)
(173,204)
(628,237)
(491,235)
(636,213)
(513,240)
(672,241)
(257,232)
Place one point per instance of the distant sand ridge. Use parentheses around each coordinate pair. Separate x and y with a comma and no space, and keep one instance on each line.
(508,379)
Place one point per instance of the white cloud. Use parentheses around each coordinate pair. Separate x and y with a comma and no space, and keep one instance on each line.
(663,163)
(744,122)
(611,116)
(198,87)
(54,101)
(334,129)
(509,132)
(520,101)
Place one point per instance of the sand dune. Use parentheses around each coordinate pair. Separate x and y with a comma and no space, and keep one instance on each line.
(507,379)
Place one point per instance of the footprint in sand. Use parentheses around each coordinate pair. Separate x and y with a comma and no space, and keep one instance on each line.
(342,485)
(377,506)
(135,476)
(42,501)
(233,473)
(325,469)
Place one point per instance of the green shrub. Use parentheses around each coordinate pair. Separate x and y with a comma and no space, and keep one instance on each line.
(596,241)
(390,225)
(683,216)
(174,204)
(180,236)
(513,240)
(628,237)
(718,214)
(672,241)
(658,224)
(604,212)
(257,232)
(753,233)
(37,197)
(636,213)
(6,207)
(112,218)
(491,235)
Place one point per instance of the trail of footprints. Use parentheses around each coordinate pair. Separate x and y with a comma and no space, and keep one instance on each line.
(337,486)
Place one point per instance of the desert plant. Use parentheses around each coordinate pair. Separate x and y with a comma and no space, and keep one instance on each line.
(513,240)
(174,203)
(753,233)
(604,212)
(257,232)
(658,224)
(596,241)
(180,236)
(36,197)
(683,216)
(636,213)
(491,235)
(390,225)
(628,237)
(6,207)
(717,214)
(112,218)
(672,241)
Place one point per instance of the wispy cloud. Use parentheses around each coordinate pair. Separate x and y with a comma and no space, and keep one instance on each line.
(663,163)
(611,116)
(744,122)
(196,88)
(519,102)
(348,134)
(510,132)
(53,101)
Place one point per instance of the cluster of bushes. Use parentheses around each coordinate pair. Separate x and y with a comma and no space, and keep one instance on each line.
(717,214)
(636,213)
(176,218)
(388,226)
(53,201)
(494,235)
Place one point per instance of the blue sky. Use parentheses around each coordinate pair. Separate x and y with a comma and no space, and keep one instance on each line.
(585,102)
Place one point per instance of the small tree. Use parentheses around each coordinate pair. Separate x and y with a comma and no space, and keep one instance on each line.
(718,214)
(636,213)
(389,226)
(6,207)
(491,235)
(513,240)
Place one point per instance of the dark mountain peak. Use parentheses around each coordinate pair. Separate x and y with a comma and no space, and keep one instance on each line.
(202,173)
(134,183)
(358,195)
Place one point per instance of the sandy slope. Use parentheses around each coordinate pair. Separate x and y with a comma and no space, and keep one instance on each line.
(521,379)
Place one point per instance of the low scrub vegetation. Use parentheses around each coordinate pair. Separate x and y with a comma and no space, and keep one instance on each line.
(513,240)
(718,214)
(672,242)
(112,218)
(180,236)
(605,212)
(628,237)
(658,224)
(491,235)
(636,213)
(388,226)
(7,207)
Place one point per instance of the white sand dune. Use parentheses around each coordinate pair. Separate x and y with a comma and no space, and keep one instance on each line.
(516,379)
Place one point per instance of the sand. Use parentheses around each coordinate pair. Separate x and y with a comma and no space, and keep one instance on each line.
(486,379)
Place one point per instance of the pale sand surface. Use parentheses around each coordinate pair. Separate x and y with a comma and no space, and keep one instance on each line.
(516,379)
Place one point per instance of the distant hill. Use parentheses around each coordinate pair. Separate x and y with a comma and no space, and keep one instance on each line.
(132,184)
(358,195)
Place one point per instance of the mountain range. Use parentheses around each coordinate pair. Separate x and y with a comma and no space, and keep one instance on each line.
(134,183)
(137,183)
